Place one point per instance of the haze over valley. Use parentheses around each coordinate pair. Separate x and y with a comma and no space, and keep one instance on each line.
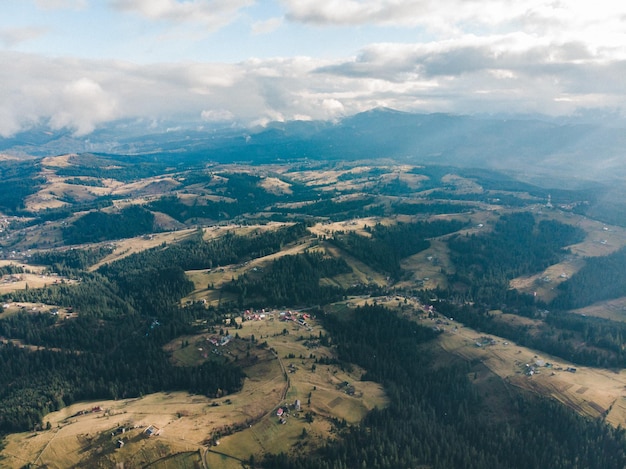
(294,234)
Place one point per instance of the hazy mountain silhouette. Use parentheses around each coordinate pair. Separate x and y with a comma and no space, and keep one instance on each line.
(533,146)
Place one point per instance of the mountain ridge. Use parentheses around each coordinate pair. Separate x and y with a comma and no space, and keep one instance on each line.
(524,145)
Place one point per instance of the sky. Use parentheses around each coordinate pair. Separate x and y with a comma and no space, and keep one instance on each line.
(81,64)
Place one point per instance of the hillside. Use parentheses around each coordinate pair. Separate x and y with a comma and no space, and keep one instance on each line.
(201,297)
(537,147)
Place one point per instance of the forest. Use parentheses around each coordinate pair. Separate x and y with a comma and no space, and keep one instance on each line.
(128,310)
(120,315)
(518,245)
(102,226)
(19,180)
(435,412)
(390,244)
(291,280)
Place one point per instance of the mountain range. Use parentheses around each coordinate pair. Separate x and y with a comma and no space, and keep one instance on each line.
(529,147)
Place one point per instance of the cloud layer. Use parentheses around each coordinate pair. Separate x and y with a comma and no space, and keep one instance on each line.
(468,56)
(212,13)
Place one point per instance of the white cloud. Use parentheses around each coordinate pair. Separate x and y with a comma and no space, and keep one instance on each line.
(217,115)
(267,26)
(599,22)
(211,13)
(501,73)
(61,4)
(13,36)
(431,13)
(83,104)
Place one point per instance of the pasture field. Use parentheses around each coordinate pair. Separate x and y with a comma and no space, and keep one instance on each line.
(188,460)
(23,281)
(126,247)
(428,268)
(594,392)
(34,308)
(600,240)
(280,366)
(615,310)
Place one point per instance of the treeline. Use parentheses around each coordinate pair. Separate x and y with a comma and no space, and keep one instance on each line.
(11,269)
(58,213)
(212,210)
(518,245)
(19,180)
(243,193)
(119,167)
(127,311)
(337,210)
(436,418)
(81,259)
(84,182)
(102,226)
(388,245)
(151,282)
(430,208)
(195,253)
(43,381)
(291,280)
(95,295)
(601,278)
(487,197)
(583,340)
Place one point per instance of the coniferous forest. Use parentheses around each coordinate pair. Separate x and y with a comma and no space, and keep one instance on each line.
(436,419)
(97,323)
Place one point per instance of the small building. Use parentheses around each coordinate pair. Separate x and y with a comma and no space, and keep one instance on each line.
(280,412)
(120,443)
(152,431)
(297,404)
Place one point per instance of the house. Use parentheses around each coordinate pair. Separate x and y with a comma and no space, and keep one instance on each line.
(280,412)
(152,431)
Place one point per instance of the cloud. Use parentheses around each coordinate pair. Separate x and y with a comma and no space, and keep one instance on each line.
(217,115)
(210,13)
(267,26)
(508,55)
(82,105)
(430,13)
(14,36)
(501,73)
(61,4)
(599,22)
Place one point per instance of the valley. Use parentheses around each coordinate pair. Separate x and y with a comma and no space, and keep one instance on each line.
(197,302)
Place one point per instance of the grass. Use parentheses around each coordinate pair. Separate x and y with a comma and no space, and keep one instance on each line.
(615,310)
(187,422)
(589,391)
(187,460)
